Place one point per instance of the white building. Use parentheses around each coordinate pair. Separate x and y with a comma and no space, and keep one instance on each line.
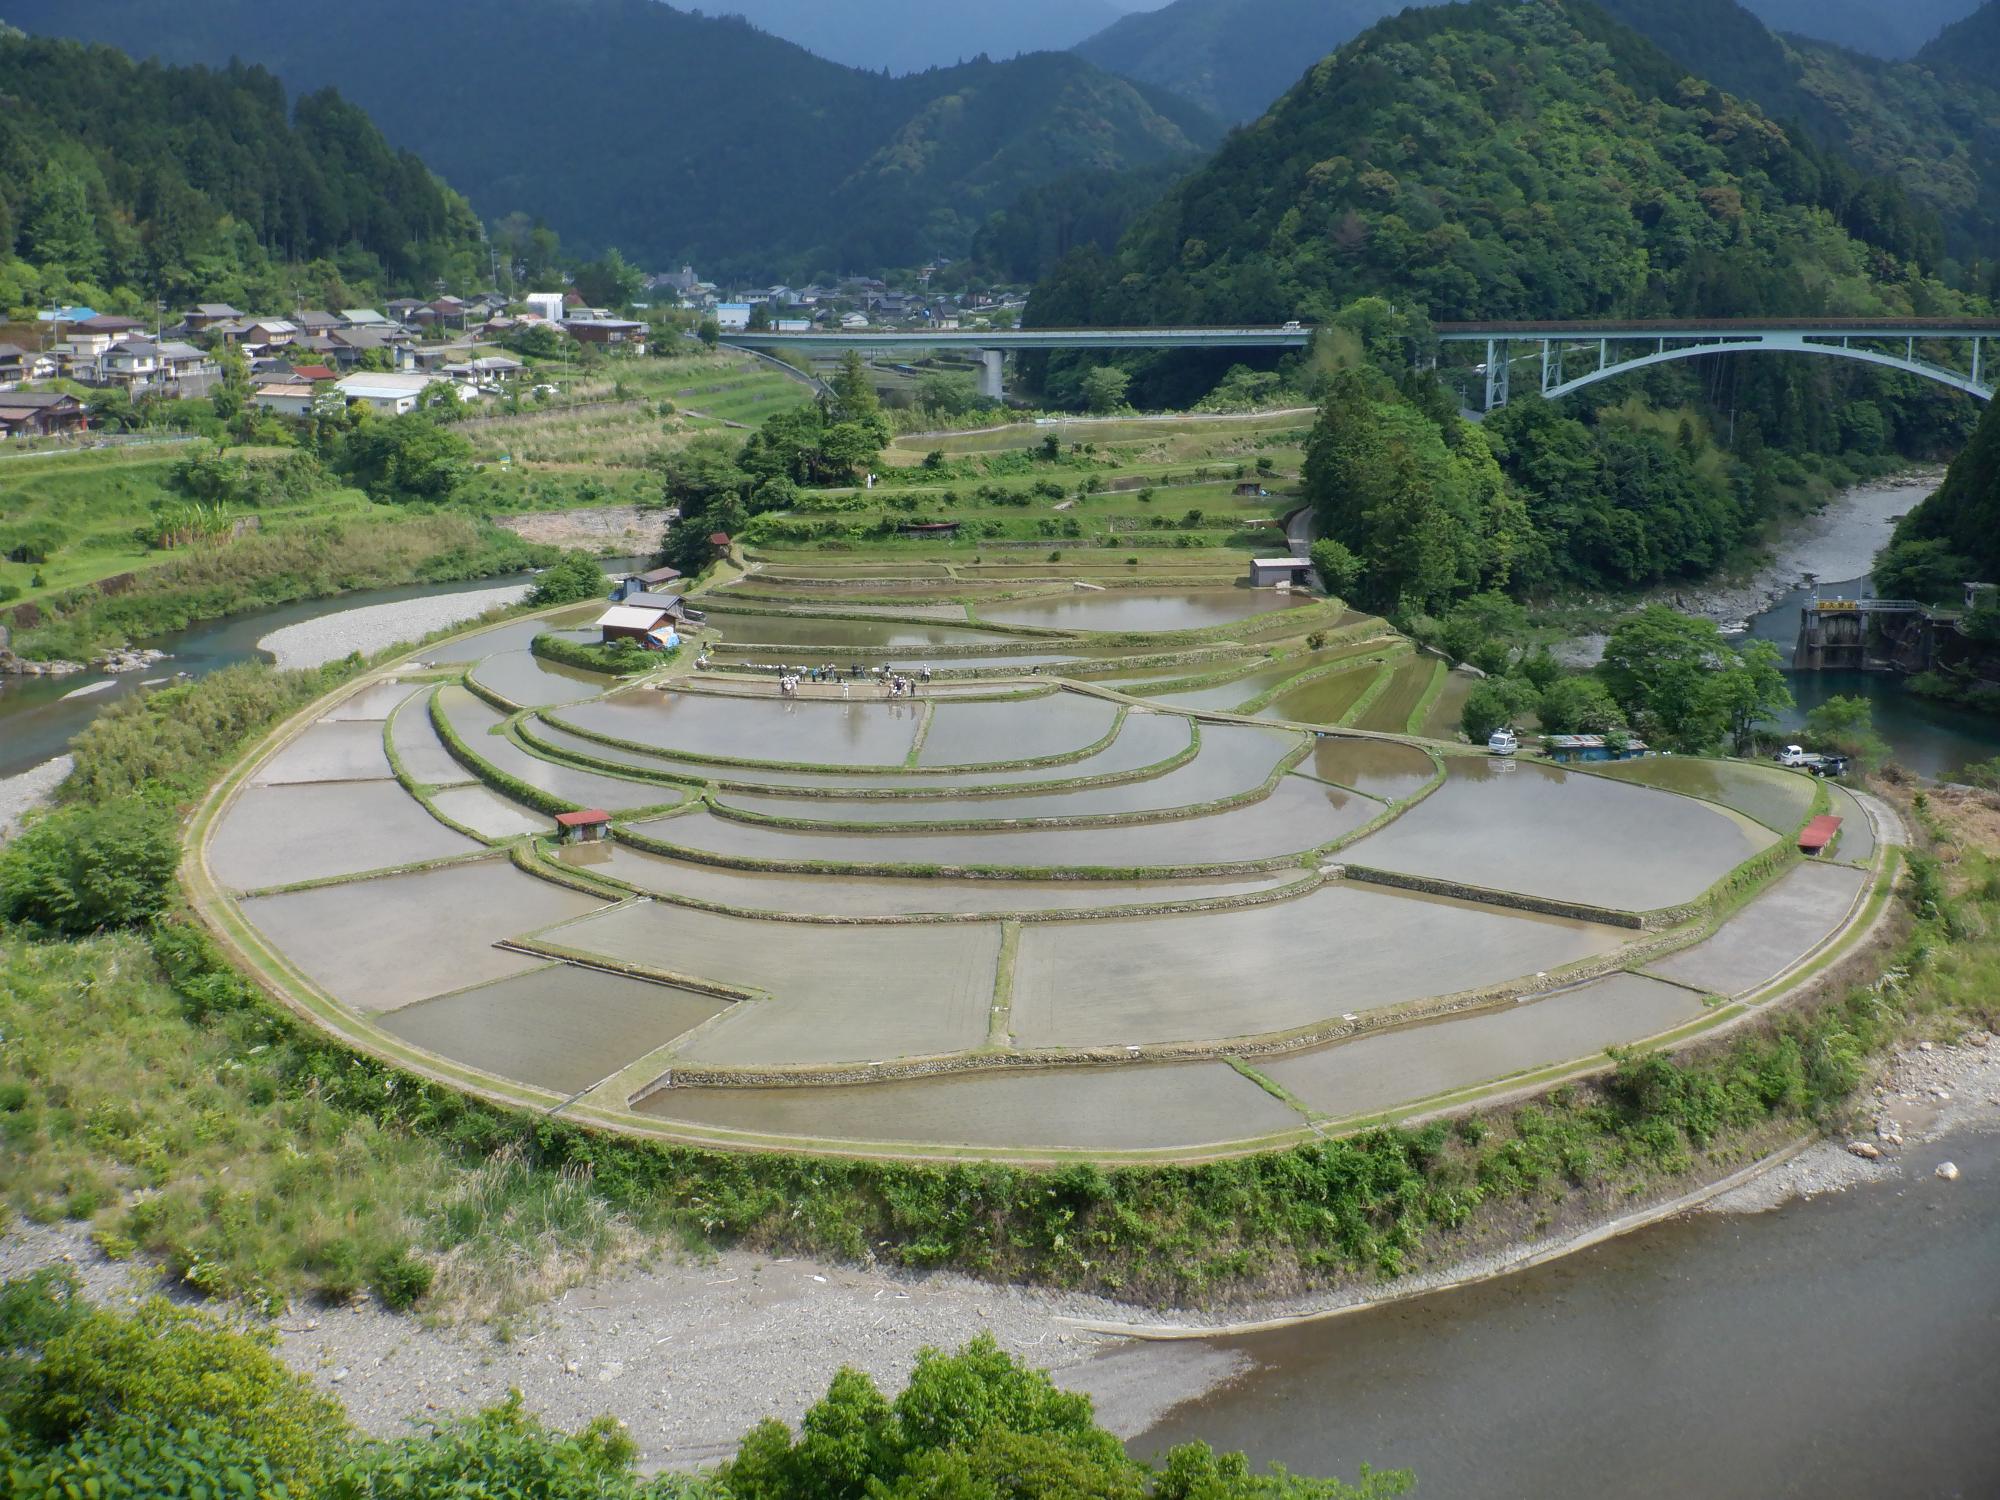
(732,317)
(546,305)
(391,393)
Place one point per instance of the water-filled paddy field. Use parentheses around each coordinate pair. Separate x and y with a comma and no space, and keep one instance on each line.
(1008,914)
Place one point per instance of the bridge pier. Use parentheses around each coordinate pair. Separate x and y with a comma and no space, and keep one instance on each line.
(993,374)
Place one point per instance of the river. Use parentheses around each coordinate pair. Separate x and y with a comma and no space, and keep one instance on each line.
(39,716)
(1841,1347)
(1930,738)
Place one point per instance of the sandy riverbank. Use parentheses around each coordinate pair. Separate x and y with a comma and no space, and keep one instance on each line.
(373,627)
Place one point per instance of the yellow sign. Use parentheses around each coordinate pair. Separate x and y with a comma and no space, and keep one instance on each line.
(1838,604)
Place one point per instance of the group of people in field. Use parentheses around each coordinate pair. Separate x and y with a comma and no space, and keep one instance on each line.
(895,684)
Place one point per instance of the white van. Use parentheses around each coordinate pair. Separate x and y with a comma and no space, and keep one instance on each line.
(1502,742)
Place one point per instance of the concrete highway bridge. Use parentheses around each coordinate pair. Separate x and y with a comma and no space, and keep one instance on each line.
(1564,356)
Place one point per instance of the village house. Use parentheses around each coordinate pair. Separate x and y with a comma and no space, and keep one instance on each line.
(139,365)
(207,314)
(618,333)
(83,348)
(732,317)
(286,395)
(404,309)
(40,414)
(18,364)
(650,619)
(315,322)
(634,584)
(362,317)
(487,372)
(547,306)
(393,393)
(350,344)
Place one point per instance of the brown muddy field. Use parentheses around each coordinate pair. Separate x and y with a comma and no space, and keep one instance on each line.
(1100,1109)
(428,932)
(1379,1072)
(1270,968)
(1518,825)
(560,1028)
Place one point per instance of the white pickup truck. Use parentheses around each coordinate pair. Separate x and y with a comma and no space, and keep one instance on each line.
(1803,759)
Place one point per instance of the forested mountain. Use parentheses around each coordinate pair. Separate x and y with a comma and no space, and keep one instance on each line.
(1500,160)
(906,36)
(1232,57)
(672,136)
(174,183)
(1879,28)
(1934,130)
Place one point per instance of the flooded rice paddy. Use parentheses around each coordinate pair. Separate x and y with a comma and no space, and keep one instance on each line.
(1123,610)
(770,965)
(1777,798)
(1270,968)
(1523,826)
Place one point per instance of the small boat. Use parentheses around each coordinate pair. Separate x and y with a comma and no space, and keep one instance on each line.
(1502,742)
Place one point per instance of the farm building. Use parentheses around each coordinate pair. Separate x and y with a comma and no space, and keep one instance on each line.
(587,825)
(644,583)
(1268,572)
(650,619)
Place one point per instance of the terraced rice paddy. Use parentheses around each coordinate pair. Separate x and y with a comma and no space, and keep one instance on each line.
(1007,915)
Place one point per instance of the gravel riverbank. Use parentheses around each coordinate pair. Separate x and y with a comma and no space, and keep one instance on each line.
(22,794)
(313,643)
(690,1352)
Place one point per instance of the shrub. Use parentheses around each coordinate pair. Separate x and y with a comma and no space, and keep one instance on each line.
(165,1369)
(574,577)
(82,869)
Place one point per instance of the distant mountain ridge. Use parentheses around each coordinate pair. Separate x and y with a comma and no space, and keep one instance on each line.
(1232,57)
(1892,29)
(908,36)
(677,136)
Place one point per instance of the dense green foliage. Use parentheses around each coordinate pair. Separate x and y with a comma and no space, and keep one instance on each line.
(122,183)
(414,456)
(1232,57)
(572,577)
(717,486)
(1933,125)
(818,168)
(617,658)
(1506,160)
(85,868)
(979,1426)
(1028,238)
(1954,535)
(1685,688)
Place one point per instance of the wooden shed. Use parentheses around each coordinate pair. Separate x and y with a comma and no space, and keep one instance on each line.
(585,826)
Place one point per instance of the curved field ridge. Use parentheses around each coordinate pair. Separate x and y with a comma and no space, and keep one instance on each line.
(1016,915)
